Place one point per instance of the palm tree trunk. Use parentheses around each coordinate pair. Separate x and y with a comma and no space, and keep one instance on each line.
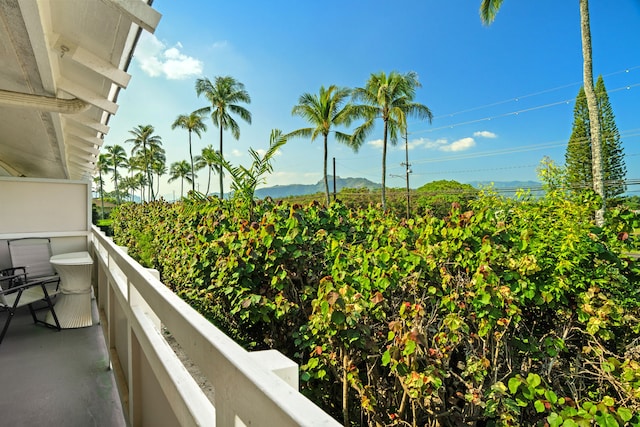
(209,180)
(101,196)
(193,175)
(384,167)
(222,157)
(147,162)
(592,106)
(326,181)
(115,177)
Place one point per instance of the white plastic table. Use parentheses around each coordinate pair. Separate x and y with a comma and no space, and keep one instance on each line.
(73,305)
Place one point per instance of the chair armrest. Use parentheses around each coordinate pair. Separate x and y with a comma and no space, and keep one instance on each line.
(20,286)
(11,271)
(9,283)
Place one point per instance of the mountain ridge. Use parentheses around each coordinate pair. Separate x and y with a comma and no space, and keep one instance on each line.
(280,191)
(287,190)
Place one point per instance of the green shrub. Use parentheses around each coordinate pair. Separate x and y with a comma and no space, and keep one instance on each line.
(513,312)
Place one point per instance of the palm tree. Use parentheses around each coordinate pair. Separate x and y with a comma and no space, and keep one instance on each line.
(159,167)
(145,142)
(128,184)
(245,180)
(181,170)
(323,111)
(137,163)
(389,97)
(192,123)
(208,158)
(102,166)
(488,11)
(138,182)
(224,94)
(117,157)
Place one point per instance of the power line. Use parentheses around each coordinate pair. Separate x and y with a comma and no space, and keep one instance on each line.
(479,170)
(517,112)
(520,149)
(544,91)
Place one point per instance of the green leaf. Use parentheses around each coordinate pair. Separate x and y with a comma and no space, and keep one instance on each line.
(324,308)
(625,414)
(533,380)
(338,317)
(409,348)
(608,401)
(554,420)
(313,363)
(402,369)
(386,358)
(539,405)
(514,383)
(485,298)
(551,396)
(607,420)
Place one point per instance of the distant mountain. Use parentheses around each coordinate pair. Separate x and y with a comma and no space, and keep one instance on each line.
(281,191)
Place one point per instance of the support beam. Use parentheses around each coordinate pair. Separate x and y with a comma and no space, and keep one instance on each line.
(92,140)
(83,148)
(80,160)
(139,12)
(69,51)
(85,122)
(88,96)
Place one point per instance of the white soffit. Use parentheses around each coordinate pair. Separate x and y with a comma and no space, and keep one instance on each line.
(62,63)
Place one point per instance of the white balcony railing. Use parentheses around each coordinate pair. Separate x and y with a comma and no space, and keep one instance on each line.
(155,386)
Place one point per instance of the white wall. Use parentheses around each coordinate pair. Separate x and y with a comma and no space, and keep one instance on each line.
(58,209)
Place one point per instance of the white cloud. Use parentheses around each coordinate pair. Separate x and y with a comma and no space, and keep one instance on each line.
(236,153)
(485,134)
(440,144)
(415,143)
(459,145)
(437,144)
(376,143)
(156,59)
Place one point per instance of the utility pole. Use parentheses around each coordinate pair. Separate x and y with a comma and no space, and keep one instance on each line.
(408,171)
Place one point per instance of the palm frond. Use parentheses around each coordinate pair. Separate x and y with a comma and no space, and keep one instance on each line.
(488,10)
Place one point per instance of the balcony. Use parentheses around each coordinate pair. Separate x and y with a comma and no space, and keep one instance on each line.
(122,368)
(63,65)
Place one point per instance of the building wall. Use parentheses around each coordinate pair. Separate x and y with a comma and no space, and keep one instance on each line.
(58,209)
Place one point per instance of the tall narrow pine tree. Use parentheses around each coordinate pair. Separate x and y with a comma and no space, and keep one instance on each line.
(615,170)
(578,154)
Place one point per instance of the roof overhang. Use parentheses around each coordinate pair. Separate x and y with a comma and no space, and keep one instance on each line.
(62,64)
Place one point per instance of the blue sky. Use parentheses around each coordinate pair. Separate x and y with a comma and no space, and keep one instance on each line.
(502,96)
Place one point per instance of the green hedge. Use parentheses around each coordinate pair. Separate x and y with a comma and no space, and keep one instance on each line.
(516,312)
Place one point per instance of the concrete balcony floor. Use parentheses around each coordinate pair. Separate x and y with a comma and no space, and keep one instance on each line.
(52,378)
